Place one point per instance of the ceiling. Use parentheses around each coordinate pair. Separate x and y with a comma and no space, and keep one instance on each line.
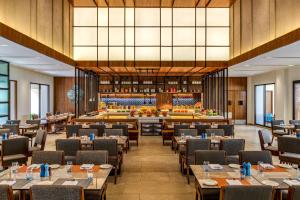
(281,58)
(29,59)
(152,3)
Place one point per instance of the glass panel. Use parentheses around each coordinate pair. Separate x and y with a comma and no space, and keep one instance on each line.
(116,16)
(147,36)
(129,51)
(259,104)
(3,108)
(184,36)
(3,68)
(166,36)
(297,101)
(86,36)
(103,36)
(44,100)
(129,17)
(183,17)
(34,99)
(200,52)
(147,53)
(129,36)
(200,37)
(116,53)
(13,98)
(217,53)
(102,53)
(85,53)
(184,53)
(3,95)
(217,17)
(85,16)
(3,81)
(200,16)
(166,17)
(269,104)
(218,36)
(3,120)
(116,36)
(147,17)
(166,53)
(102,17)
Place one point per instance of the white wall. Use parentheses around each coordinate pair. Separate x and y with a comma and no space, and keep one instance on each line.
(24,77)
(283,97)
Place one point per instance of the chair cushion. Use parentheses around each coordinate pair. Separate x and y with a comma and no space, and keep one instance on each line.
(14,157)
(232,159)
(280,132)
(271,148)
(291,155)
(31,149)
(30,134)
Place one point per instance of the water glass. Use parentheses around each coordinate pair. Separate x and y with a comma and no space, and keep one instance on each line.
(14,169)
(212,136)
(104,134)
(69,166)
(260,167)
(296,170)
(90,174)
(29,174)
(74,135)
(182,135)
(205,165)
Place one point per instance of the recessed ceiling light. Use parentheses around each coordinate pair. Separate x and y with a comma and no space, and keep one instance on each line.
(3,45)
(246,65)
(268,57)
(291,65)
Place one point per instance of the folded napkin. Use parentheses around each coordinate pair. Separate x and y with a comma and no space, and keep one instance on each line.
(233,182)
(87,166)
(267,166)
(10,183)
(291,182)
(215,166)
(70,183)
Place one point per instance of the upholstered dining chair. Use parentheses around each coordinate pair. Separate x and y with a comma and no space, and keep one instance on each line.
(277,131)
(56,192)
(257,192)
(232,147)
(113,132)
(14,150)
(31,133)
(39,142)
(6,192)
(50,157)
(188,132)
(111,146)
(177,127)
(124,127)
(72,129)
(294,193)
(97,157)
(255,156)
(212,156)
(69,147)
(228,129)
(201,128)
(265,139)
(99,127)
(13,128)
(289,149)
(13,122)
(188,159)
(217,132)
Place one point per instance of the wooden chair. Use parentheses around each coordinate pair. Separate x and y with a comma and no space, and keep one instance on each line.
(265,140)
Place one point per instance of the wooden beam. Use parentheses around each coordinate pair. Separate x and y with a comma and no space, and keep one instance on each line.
(71,2)
(95,2)
(173,3)
(26,41)
(207,3)
(197,3)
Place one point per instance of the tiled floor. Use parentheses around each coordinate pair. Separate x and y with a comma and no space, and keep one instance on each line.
(151,170)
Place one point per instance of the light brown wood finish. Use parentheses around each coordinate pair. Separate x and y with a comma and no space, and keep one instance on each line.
(164,101)
(62,103)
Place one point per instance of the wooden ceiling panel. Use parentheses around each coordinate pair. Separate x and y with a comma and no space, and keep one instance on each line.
(84,3)
(167,3)
(180,69)
(220,3)
(185,3)
(147,3)
(116,3)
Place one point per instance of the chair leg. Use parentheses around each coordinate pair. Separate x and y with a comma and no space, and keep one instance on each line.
(188,174)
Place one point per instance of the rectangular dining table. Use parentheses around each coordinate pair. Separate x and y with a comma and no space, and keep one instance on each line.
(85,141)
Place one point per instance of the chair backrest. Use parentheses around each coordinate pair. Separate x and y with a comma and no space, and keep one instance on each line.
(180,126)
(201,128)
(189,132)
(254,156)
(113,132)
(97,157)
(6,192)
(295,122)
(217,132)
(228,129)
(212,156)
(13,122)
(68,146)
(124,127)
(196,144)
(13,128)
(87,131)
(257,192)
(288,144)
(50,157)
(72,129)
(40,138)
(110,145)
(232,147)
(15,146)
(99,127)
(294,192)
(56,192)
(33,121)
(274,124)
(34,117)
(264,138)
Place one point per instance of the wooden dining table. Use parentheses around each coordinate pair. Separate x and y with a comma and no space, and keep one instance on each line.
(214,140)
(287,127)
(85,140)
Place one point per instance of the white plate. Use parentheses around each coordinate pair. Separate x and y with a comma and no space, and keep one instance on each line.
(270,183)
(105,166)
(54,166)
(235,166)
(34,166)
(210,182)
(286,166)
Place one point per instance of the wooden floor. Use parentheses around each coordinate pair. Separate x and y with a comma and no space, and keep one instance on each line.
(151,171)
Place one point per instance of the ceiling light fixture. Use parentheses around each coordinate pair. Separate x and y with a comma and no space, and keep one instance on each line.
(3,45)
(291,65)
